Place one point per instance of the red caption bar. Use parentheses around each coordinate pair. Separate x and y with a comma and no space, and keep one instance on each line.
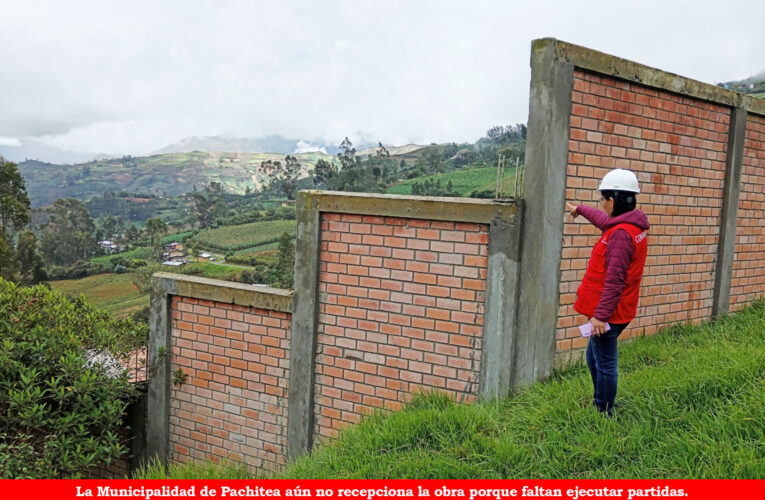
(389,489)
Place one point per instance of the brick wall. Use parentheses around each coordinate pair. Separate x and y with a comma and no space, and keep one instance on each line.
(748,280)
(401,304)
(677,146)
(233,403)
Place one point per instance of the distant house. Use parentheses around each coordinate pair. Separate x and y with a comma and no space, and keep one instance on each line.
(204,257)
(110,246)
(174,246)
(174,263)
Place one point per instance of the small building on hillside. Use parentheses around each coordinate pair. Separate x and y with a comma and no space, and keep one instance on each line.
(204,257)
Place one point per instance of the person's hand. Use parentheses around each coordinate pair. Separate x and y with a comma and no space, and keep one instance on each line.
(571,209)
(598,327)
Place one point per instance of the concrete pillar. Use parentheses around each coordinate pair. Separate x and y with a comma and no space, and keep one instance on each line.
(728,216)
(501,307)
(305,319)
(158,404)
(543,214)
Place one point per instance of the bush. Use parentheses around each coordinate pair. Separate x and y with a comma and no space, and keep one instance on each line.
(63,394)
(80,269)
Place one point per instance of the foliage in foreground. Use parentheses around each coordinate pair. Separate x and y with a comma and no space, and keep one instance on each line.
(60,405)
(690,405)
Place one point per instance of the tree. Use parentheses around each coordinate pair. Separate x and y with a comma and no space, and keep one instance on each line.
(209,205)
(382,151)
(155,228)
(8,263)
(70,233)
(286,262)
(63,392)
(324,172)
(14,202)
(282,176)
(31,266)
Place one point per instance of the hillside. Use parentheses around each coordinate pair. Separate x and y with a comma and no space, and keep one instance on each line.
(754,85)
(165,174)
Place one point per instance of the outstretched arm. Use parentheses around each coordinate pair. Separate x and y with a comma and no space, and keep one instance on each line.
(597,217)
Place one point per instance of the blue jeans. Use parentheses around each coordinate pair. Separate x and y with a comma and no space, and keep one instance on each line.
(602,360)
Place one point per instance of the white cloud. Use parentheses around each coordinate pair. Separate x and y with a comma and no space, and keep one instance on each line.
(10,141)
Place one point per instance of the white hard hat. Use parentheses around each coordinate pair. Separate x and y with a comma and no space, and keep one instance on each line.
(619,180)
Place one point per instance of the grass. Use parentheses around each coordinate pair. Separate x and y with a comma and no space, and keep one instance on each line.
(463,181)
(136,253)
(691,405)
(116,293)
(119,295)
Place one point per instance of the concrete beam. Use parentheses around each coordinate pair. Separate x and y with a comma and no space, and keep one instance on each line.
(726,246)
(416,207)
(158,404)
(305,320)
(499,329)
(229,292)
(546,159)
(599,62)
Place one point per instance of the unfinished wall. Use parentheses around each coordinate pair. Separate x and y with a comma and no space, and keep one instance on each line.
(402,304)
(233,403)
(394,294)
(748,281)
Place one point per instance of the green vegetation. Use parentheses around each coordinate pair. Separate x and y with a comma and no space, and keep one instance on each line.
(179,237)
(114,293)
(136,253)
(245,235)
(63,392)
(690,405)
(126,294)
(463,181)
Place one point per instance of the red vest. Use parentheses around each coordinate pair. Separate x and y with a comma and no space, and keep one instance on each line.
(588,294)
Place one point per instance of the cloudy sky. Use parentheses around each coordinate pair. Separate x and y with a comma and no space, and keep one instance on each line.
(129,77)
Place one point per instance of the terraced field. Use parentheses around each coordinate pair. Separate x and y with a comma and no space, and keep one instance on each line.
(245,236)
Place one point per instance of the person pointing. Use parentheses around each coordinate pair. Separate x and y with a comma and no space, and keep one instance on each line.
(609,293)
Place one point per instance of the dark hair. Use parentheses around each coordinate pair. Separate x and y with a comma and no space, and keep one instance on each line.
(624,201)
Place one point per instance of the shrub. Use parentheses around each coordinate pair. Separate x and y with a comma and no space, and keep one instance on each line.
(63,393)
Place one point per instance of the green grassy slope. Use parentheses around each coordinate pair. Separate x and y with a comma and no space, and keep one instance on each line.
(463,181)
(116,293)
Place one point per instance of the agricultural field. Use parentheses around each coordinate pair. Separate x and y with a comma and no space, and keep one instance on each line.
(120,295)
(463,181)
(115,293)
(245,236)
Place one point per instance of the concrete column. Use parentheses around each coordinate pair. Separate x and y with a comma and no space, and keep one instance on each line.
(543,214)
(160,385)
(728,216)
(305,318)
(501,307)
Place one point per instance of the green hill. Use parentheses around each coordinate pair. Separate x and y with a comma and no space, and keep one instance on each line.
(165,174)
(754,85)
